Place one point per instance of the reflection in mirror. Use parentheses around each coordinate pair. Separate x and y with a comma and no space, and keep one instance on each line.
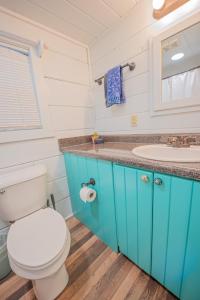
(181,65)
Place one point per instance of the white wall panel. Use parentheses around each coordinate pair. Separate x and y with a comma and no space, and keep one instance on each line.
(184,123)
(127,42)
(141,60)
(68,94)
(59,188)
(64,68)
(135,104)
(53,41)
(138,19)
(64,207)
(72,117)
(55,167)
(66,60)
(75,132)
(23,152)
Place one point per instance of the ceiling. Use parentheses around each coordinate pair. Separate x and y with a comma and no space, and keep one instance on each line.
(83,20)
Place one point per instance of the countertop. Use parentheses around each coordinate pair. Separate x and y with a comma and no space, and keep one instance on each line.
(120,152)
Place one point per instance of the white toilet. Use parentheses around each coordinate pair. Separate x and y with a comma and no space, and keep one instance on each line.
(38,240)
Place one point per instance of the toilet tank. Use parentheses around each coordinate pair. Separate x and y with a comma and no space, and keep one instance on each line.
(22,192)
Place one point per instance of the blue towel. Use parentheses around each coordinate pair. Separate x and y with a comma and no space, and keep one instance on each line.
(113,85)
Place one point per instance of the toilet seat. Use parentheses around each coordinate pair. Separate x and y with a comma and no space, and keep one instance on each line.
(38,244)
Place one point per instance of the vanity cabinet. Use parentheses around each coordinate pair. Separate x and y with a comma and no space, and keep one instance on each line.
(133,200)
(154,225)
(152,218)
(171,212)
(99,215)
(191,274)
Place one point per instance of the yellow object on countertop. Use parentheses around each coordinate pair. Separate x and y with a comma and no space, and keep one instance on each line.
(94,137)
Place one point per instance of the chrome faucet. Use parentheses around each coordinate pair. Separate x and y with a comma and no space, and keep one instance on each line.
(180,141)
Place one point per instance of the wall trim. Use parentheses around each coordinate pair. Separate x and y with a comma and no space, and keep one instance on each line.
(69,216)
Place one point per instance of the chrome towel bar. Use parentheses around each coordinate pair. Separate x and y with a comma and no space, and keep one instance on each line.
(131,68)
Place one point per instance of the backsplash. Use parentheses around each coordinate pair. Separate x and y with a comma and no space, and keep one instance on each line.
(127,138)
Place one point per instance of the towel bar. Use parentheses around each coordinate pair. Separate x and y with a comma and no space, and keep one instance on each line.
(131,68)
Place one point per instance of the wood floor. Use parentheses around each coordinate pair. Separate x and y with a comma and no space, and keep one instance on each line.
(95,272)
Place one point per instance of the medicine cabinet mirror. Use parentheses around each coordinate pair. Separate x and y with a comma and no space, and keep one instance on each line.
(176,68)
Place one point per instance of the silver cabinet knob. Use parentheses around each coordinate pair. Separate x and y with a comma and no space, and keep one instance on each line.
(158,181)
(145,178)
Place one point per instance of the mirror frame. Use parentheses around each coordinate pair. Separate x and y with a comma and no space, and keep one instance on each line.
(179,106)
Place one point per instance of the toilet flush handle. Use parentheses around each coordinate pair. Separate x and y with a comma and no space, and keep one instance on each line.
(52,202)
(2,191)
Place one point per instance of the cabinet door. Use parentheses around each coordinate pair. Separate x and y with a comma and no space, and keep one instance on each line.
(191,274)
(120,204)
(76,174)
(133,199)
(172,200)
(107,225)
(92,208)
(161,202)
(71,168)
(98,216)
(131,213)
(145,195)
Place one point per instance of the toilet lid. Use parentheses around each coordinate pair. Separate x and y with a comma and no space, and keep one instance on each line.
(37,239)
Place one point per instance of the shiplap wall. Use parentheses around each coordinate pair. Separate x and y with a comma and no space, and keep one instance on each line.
(67,77)
(128,42)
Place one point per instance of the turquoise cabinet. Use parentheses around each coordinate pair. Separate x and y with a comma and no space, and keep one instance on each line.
(155,228)
(99,216)
(171,212)
(133,199)
(191,274)
(145,193)
(152,218)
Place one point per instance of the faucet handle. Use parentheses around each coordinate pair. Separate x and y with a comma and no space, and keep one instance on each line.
(181,141)
(171,140)
(188,140)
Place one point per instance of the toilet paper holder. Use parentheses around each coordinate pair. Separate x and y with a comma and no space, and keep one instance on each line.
(91,182)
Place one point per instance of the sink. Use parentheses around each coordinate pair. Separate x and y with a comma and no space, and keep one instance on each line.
(108,151)
(166,153)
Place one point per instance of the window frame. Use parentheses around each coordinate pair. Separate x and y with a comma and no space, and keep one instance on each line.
(41,92)
(179,106)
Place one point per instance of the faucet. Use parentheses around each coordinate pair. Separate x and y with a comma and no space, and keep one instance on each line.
(180,141)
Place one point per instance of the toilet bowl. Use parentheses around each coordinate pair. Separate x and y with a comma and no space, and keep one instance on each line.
(38,240)
(38,246)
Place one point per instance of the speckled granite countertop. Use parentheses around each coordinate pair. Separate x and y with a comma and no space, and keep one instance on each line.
(120,152)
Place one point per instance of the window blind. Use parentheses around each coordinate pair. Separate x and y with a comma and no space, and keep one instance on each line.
(18,102)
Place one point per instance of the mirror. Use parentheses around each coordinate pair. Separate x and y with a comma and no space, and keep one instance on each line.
(181,65)
(175,71)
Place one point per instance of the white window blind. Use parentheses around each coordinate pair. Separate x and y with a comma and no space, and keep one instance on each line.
(18,102)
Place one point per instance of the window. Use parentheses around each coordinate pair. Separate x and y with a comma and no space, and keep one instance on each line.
(18,102)
(23,92)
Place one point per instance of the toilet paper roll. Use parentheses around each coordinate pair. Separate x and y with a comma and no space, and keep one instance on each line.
(87,194)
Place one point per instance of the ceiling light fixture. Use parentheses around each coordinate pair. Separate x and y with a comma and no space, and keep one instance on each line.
(158,4)
(177,56)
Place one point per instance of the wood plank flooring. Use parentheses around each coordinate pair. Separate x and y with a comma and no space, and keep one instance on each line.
(95,272)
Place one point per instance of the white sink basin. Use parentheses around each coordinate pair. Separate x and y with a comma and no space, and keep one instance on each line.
(167,153)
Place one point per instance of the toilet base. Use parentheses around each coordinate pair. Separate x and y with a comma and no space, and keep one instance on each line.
(50,287)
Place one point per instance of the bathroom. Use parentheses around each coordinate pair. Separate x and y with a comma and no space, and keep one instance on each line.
(99,149)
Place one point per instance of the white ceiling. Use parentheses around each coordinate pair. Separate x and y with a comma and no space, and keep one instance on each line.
(83,20)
